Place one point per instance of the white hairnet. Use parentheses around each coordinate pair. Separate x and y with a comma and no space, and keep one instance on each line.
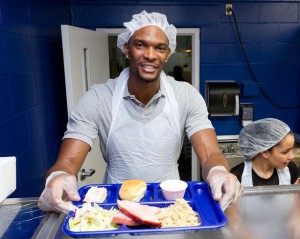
(261,135)
(147,19)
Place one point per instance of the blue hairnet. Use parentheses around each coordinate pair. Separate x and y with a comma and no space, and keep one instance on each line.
(261,135)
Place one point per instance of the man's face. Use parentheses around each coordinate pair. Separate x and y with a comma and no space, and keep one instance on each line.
(148,51)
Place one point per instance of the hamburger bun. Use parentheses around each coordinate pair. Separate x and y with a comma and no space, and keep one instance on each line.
(133,190)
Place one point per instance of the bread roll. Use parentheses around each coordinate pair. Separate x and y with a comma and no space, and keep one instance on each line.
(133,190)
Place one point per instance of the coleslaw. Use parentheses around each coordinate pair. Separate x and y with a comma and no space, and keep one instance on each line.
(91,217)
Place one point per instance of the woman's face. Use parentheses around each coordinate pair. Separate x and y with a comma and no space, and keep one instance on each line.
(148,51)
(281,154)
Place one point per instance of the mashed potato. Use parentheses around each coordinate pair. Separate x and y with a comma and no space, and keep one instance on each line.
(180,214)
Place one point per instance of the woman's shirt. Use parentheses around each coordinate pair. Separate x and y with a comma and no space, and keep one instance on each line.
(273,180)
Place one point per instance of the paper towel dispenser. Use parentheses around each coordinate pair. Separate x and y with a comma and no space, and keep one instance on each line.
(222,98)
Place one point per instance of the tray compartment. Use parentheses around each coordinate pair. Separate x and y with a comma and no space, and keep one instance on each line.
(207,207)
(187,195)
(149,194)
(112,192)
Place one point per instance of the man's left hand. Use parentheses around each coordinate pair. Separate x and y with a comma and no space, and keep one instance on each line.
(225,186)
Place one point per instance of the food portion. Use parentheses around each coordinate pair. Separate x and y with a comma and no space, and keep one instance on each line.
(96,195)
(93,218)
(122,218)
(129,212)
(133,190)
(173,189)
(179,214)
(142,214)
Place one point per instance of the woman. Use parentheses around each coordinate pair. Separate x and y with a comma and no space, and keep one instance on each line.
(267,146)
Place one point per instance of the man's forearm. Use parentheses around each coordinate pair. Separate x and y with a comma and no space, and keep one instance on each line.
(71,157)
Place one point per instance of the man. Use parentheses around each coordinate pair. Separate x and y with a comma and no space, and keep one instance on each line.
(140,118)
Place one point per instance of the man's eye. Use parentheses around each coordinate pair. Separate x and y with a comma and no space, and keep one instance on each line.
(139,44)
(162,48)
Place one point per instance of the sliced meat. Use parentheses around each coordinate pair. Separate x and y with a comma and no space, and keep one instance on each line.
(140,213)
(154,209)
(122,218)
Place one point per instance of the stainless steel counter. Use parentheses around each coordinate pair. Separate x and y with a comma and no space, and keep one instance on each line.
(263,212)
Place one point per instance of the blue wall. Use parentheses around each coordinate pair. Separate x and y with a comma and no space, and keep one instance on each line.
(33,110)
(270,31)
(32,89)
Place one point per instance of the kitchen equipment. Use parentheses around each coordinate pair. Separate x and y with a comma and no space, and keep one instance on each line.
(198,196)
(222,98)
(246,113)
(7,176)
(229,147)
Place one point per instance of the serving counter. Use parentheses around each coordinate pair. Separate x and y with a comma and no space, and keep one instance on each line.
(263,212)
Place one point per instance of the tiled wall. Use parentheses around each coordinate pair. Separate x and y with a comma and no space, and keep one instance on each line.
(32,91)
(270,31)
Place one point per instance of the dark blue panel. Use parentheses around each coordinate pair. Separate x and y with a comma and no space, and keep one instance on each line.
(229,125)
(32,54)
(279,12)
(266,72)
(277,91)
(289,33)
(59,117)
(225,72)
(288,74)
(15,16)
(280,53)
(39,19)
(10,58)
(249,89)
(51,144)
(5,100)
(260,32)
(24,94)
(38,120)
(218,34)
(45,85)
(51,82)
(32,180)
(230,54)
(14,137)
(210,53)
(53,55)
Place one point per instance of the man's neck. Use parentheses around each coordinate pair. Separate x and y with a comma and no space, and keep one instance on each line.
(143,91)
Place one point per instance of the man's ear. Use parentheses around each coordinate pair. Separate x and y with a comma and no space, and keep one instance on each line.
(126,49)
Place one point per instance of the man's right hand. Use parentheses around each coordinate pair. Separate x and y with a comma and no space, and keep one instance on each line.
(60,190)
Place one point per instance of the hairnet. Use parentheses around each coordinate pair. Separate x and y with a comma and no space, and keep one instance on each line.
(147,19)
(261,135)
